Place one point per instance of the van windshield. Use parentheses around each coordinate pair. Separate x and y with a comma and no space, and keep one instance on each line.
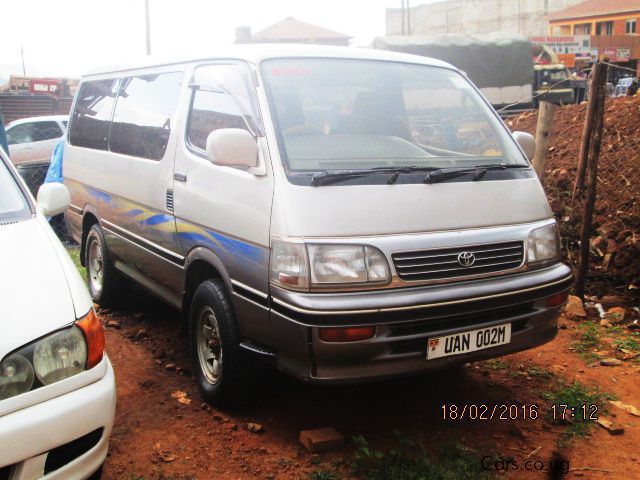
(336,114)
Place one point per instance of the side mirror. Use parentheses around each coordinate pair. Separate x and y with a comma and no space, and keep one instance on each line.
(526,142)
(53,198)
(232,147)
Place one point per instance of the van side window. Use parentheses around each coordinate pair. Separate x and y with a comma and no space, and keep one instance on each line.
(143,115)
(90,120)
(223,97)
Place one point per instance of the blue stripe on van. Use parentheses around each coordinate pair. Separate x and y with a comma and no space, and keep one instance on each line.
(237,247)
(157,219)
(105,197)
(134,213)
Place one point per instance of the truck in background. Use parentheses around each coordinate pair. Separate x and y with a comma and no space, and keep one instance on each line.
(500,64)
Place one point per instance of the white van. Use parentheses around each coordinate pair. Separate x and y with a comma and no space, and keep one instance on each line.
(344,214)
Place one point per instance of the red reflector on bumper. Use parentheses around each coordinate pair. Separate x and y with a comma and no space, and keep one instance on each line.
(348,334)
(557,299)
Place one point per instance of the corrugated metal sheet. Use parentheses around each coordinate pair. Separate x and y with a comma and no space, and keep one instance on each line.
(22,106)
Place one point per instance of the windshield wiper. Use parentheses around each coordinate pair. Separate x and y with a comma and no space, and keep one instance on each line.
(326,178)
(479,171)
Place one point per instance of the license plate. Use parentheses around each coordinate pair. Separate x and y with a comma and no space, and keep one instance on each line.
(465,342)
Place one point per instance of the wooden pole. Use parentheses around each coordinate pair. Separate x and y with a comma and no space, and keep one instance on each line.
(598,82)
(595,143)
(544,129)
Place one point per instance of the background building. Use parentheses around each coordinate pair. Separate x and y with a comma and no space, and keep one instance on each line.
(611,26)
(527,17)
(597,17)
(292,30)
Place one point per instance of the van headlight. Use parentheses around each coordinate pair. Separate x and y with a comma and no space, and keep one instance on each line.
(53,358)
(543,246)
(299,266)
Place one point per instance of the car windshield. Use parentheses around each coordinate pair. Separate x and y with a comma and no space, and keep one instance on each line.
(13,204)
(335,114)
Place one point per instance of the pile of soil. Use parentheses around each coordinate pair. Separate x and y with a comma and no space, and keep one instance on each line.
(615,246)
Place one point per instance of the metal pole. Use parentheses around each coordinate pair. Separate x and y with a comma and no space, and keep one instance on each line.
(408,19)
(147,25)
(24,72)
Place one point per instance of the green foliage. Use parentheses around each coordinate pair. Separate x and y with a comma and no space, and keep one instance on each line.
(575,395)
(74,253)
(628,343)
(535,371)
(322,475)
(496,364)
(588,339)
(410,461)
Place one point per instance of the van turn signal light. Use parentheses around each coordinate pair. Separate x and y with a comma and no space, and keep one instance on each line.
(346,334)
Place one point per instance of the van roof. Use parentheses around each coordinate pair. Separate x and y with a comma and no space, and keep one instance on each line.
(255,53)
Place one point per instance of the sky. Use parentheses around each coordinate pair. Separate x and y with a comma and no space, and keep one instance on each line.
(70,37)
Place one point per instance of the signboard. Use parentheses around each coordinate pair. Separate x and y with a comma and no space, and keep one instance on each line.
(623,54)
(617,54)
(567,59)
(43,85)
(564,44)
(589,55)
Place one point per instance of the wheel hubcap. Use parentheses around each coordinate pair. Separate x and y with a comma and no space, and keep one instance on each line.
(209,345)
(95,266)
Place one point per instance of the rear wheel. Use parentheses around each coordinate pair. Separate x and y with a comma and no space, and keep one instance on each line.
(104,281)
(218,362)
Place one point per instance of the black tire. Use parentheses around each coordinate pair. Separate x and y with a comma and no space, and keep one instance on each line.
(107,291)
(228,387)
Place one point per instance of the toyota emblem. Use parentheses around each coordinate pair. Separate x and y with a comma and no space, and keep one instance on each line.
(466,259)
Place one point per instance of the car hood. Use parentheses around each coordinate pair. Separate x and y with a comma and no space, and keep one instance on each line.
(34,284)
(365,210)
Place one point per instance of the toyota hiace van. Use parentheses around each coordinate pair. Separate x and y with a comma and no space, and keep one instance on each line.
(345,214)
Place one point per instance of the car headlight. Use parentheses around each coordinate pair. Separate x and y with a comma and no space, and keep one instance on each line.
(60,356)
(54,357)
(299,266)
(16,376)
(543,245)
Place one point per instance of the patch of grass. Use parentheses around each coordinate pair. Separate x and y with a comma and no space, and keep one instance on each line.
(323,475)
(628,343)
(410,461)
(74,253)
(539,372)
(496,364)
(574,396)
(588,339)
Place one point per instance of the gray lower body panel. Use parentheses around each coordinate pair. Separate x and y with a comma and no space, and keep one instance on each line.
(403,327)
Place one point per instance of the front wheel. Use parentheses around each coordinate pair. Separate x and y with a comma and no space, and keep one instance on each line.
(218,363)
(104,281)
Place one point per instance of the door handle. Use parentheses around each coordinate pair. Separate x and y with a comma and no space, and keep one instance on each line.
(180,177)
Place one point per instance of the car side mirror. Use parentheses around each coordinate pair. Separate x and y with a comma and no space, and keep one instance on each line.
(527,142)
(53,198)
(232,147)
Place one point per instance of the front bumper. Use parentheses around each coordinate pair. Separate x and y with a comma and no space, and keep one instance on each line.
(61,438)
(405,319)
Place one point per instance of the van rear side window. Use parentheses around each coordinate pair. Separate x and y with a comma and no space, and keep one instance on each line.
(90,121)
(143,114)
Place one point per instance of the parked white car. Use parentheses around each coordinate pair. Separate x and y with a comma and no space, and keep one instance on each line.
(32,140)
(57,388)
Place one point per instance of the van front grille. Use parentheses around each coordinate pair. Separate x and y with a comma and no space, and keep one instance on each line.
(449,263)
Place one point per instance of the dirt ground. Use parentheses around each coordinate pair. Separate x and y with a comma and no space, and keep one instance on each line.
(615,246)
(156,436)
(164,431)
